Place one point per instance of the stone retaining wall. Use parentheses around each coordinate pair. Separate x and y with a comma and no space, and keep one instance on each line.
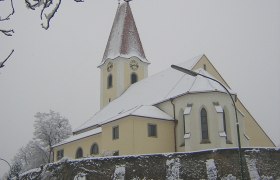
(212,164)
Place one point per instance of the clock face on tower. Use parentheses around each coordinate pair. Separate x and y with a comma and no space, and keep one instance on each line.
(133,65)
(109,67)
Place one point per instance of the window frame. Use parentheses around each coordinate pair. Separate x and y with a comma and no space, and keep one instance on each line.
(115,132)
(109,81)
(204,126)
(59,154)
(133,78)
(92,152)
(79,153)
(152,130)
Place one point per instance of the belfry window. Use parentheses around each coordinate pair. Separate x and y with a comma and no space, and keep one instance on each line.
(79,153)
(204,126)
(109,81)
(133,78)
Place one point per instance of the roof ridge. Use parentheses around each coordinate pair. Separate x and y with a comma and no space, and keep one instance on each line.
(195,78)
(175,85)
(208,80)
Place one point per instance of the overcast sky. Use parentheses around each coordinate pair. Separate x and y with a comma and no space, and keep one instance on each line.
(57,69)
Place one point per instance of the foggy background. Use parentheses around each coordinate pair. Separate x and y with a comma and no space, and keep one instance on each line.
(57,69)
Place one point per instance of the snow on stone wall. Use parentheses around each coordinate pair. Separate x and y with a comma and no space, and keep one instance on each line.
(173,169)
(263,164)
(119,173)
(211,169)
(253,171)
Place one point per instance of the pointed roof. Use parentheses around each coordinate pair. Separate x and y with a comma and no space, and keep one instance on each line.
(124,40)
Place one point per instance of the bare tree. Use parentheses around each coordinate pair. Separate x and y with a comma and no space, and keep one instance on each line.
(50,129)
(28,157)
(48,9)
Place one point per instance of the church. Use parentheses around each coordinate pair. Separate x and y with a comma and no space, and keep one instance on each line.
(167,112)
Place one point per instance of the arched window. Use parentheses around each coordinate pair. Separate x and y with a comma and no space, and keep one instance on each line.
(94,149)
(79,153)
(109,81)
(133,78)
(204,126)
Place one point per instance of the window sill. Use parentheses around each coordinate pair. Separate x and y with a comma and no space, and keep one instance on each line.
(205,141)
(229,142)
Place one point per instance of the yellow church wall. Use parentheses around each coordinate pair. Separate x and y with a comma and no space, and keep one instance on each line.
(124,144)
(162,143)
(258,138)
(85,143)
(133,136)
(107,93)
(205,63)
(128,71)
(121,73)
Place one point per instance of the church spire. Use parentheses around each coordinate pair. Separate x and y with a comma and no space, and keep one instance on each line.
(124,40)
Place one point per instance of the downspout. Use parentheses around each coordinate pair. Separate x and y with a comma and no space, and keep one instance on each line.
(175,123)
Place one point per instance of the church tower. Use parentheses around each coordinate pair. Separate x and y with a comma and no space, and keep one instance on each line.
(124,61)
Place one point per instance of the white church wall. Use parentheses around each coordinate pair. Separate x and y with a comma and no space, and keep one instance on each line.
(215,124)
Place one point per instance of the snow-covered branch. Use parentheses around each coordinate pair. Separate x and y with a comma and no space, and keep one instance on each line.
(50,128)
(6,18)
(10,14)
(7,32)
(48,9)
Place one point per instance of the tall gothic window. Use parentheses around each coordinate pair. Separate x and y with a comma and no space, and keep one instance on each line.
(204,126)
(110,81)
(224,121)
(133,78)
(79,153)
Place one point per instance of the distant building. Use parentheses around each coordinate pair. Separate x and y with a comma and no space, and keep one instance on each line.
(167,112)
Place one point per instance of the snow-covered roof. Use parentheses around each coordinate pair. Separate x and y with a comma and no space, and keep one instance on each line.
(80,136)
(124,40)
(155,89)
(141,111)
